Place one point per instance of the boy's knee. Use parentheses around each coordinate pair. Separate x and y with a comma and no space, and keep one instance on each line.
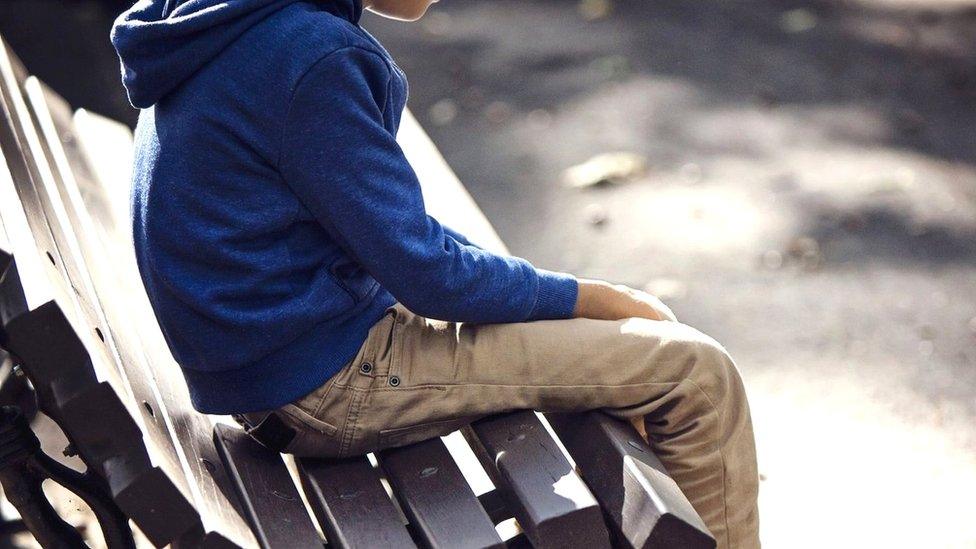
(710,365)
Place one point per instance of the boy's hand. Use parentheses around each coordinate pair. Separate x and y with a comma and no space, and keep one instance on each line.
(604,301)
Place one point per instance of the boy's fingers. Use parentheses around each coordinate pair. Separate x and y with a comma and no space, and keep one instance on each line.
(667,312)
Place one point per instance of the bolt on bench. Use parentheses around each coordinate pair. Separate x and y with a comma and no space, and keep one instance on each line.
(75,319)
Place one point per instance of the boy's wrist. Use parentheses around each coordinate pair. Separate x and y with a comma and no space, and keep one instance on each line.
(588,299)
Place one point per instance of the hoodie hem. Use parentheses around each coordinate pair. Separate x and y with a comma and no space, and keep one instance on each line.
(288,375)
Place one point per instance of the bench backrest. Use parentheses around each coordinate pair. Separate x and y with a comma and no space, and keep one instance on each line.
(84,385)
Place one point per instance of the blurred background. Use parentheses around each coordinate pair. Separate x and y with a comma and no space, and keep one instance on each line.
(797,179)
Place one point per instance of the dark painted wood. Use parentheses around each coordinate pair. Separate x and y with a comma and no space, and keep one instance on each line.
(50,226)
(436,498)
(52,119)
(274,508)
(551,503)
(59,211)
(146,368)
(643,504)
(495,503)
(183,434)
(69,391)
(16,223)
(519,541)
(67,383)
(351,504)
(43,216)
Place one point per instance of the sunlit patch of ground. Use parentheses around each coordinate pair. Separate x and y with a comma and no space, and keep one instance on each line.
(841,468)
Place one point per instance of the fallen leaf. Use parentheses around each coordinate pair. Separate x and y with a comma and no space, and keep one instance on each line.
(605,169)
(798,20)
(592,10)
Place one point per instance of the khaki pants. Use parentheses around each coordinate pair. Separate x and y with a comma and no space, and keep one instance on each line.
(416,378)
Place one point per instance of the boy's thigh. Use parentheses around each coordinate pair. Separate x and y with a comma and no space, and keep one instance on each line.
(444,375)
(554,353)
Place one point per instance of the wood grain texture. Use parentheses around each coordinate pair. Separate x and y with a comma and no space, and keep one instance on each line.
(181,439)
(551,503)
(212,489)
(643,504)
(351,505)
(437,500)
(74,373)
(270,499)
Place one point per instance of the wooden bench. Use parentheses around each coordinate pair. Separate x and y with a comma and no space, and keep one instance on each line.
(74,317)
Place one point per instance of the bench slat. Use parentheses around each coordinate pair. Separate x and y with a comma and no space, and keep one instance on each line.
(644,505)
(350,503)
(435,497)
(549,500)
(45,213)
(52,116)
(190,432)
(210,489)
(113,290)
(495,503)
(274,508)
(42,335)
(552,504)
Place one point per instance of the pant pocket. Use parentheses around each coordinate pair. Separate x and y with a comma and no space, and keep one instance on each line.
(306,421)
(401,436)
(313,437)
(312,444)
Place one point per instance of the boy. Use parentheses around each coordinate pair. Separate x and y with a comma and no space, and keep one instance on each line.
(282,239)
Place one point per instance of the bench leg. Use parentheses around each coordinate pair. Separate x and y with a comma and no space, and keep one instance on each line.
(23,467)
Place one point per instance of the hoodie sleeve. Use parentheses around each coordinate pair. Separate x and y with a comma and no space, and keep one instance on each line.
(458,236)
(349,171)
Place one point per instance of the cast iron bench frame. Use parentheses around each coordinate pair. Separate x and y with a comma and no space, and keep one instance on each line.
(74,317)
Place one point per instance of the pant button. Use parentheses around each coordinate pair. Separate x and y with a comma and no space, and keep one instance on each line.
(366,368)
(394,381)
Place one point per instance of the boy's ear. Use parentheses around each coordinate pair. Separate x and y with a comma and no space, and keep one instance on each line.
(402,10)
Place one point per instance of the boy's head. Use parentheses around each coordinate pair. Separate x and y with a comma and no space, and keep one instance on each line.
(406,10)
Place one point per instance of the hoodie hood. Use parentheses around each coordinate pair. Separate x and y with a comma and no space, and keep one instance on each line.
(161,43)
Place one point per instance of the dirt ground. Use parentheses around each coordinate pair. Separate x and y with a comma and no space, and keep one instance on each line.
(809,200)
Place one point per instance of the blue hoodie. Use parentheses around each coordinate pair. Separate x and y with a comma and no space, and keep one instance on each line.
(274,217)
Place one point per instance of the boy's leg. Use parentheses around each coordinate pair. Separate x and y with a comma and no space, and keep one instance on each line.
(426,378)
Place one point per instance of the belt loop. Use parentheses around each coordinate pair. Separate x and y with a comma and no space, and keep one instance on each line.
(377,335)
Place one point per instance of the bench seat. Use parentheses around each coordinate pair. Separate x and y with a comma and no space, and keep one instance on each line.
(74,316)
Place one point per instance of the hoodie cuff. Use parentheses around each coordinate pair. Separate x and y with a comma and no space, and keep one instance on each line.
(557,296)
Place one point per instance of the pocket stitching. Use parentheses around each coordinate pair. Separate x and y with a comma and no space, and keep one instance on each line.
(386,434)
(328,390)
(308,421)
(396,350)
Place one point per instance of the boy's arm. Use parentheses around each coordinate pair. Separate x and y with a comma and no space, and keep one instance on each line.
(350,173)
(458,236)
